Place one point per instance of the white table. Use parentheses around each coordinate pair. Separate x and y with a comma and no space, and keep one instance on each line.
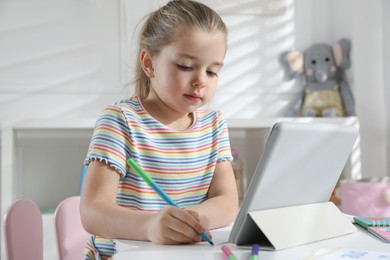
(127,249)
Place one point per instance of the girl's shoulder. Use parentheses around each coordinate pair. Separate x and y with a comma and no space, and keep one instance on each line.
(207,115)
(125,109)
(125,106)
(128,103)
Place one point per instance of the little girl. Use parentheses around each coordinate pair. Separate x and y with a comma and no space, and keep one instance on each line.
(184,147)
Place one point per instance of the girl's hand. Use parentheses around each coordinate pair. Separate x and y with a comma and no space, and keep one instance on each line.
(174,225)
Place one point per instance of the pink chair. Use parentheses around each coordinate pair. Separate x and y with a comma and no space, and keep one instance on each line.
(70,234)
(23,231)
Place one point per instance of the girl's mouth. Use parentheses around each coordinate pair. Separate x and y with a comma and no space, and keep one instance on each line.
(193,97)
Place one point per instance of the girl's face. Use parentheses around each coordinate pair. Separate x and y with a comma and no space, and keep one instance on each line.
(185,73)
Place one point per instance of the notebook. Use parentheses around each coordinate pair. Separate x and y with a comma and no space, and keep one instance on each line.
(383,233)
(372,221)
(301,164)
(378,226)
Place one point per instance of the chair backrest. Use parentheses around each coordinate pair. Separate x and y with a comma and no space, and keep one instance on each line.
(70,234)
(23,231)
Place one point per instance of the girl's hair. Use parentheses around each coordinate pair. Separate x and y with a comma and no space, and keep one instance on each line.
(162,26)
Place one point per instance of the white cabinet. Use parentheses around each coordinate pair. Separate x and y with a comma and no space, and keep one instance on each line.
(42,159)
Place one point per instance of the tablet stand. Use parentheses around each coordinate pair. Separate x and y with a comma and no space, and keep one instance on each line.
(286,227)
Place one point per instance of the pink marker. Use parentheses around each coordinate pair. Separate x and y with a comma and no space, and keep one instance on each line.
(228,253)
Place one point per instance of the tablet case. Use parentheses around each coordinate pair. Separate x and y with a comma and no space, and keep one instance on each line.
(281,228)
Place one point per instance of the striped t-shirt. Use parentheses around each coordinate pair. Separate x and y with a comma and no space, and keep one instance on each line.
(181,162)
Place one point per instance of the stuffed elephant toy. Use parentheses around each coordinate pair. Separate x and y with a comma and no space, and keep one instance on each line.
(326,93)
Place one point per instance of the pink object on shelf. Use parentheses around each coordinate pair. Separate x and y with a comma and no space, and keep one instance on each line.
(365,198)
(70,234)
(23,231)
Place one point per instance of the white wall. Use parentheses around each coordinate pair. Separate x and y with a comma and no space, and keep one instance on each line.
(386,69)
(59,58)
(368,76)
(66,59)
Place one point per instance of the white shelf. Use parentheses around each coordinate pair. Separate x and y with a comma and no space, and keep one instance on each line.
(77,123)
(270,121)
(89,123)
(22,140)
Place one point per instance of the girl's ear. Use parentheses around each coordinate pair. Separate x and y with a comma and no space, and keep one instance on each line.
(146,60)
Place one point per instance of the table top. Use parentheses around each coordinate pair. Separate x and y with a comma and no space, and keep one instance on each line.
(358,241)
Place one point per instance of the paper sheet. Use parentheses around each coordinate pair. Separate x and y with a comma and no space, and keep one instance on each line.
(346,253)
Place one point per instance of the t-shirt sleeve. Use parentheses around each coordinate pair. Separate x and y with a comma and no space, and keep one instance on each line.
(110,141)
(224,151)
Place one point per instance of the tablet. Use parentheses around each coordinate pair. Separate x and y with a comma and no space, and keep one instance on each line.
(301,164)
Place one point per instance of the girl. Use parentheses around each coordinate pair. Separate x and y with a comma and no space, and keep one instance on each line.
(184,147)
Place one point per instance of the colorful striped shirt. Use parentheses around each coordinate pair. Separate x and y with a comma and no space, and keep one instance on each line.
(181,162)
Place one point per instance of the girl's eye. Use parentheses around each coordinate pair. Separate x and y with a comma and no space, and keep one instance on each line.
(212,74)
(184,67)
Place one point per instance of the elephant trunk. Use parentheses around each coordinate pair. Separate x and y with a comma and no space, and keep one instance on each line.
(321,76)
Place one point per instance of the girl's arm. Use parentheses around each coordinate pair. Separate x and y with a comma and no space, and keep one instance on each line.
(102,216)
(221,206)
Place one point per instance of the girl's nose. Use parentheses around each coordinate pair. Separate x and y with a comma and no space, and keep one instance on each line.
(199,80)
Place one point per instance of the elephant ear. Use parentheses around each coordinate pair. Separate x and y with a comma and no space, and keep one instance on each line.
(341,51)
(292,63)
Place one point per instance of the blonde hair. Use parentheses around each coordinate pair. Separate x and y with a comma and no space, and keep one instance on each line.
(162,26)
